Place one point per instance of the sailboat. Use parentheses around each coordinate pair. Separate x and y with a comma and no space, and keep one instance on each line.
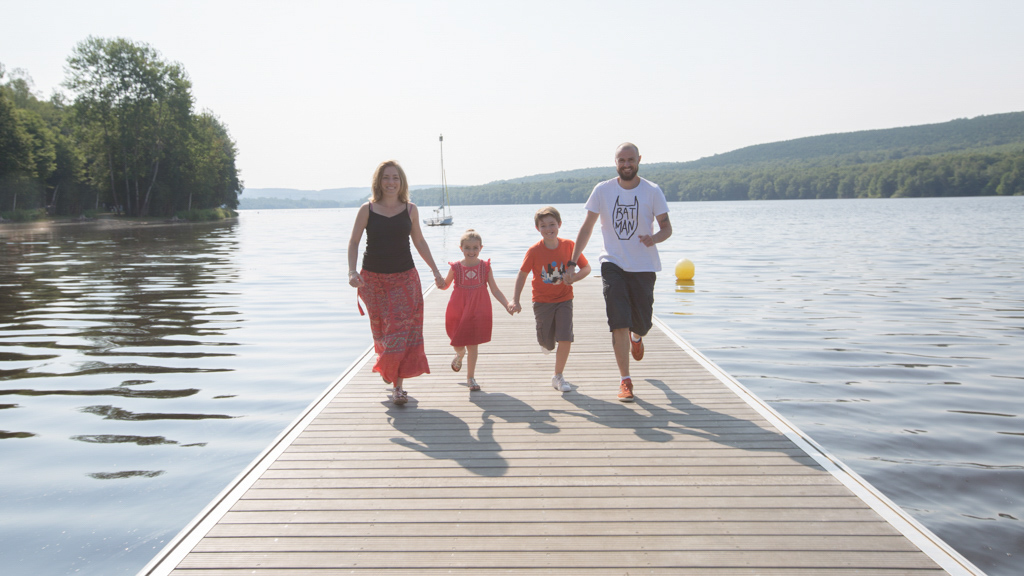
(443,213)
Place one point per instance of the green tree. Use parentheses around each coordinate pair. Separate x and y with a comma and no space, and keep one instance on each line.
(16,166)
(57,177)
(213,179)
(137,104)
(15,145)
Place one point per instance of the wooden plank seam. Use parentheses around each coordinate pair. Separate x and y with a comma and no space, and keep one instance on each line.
(180,546)
(937,549)
(932,546)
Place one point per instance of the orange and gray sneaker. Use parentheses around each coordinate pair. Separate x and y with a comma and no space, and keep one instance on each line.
(637,348)
(626,390)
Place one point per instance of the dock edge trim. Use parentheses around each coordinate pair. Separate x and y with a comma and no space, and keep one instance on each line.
(934,547)
(181,545)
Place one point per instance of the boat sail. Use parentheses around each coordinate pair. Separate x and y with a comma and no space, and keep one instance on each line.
(443,213)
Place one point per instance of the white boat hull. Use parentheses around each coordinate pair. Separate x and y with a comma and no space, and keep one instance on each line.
(438,221)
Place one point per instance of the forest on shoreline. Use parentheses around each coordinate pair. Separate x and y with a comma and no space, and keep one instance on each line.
(127,140)
(983,156)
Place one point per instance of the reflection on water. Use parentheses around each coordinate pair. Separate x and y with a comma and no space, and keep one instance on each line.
(121,390)
(125,474)
(114,413)
(890,331)
(141,370)
(84,303)
(685,286)
(131,316)
(121,347)
(115,439)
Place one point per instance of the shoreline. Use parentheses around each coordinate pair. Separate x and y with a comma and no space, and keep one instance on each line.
(103,222)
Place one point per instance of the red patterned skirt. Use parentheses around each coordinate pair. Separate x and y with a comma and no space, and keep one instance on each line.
(394,303)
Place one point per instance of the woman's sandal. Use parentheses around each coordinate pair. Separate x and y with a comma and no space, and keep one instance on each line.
(457,363)
(473,386)
(399,396)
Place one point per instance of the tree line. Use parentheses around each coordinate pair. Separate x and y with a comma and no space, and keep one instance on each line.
(126,140)
(997,170)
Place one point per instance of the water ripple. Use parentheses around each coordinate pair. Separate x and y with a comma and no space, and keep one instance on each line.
(889,330)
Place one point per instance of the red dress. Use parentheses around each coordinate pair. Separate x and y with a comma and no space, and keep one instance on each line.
(468,318)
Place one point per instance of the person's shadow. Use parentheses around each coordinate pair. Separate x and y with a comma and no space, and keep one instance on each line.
(514,411)
(683,418)
(441,435)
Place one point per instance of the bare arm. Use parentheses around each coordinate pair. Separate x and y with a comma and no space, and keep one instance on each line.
(514,306)
(663,233)
(449,278)
(497,291)
(582,273)
(581,242)
(354,279)
(583,237)
(421,244)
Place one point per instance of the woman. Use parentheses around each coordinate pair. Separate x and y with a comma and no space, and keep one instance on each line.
(389,283)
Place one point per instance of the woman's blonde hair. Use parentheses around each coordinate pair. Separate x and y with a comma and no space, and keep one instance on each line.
(378,177)
(470,235)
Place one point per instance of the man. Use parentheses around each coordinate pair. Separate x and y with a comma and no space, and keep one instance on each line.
(628,207)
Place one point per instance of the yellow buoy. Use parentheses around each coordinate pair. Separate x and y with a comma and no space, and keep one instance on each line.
(684,269)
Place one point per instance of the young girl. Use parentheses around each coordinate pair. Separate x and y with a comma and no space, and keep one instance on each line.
(468,318)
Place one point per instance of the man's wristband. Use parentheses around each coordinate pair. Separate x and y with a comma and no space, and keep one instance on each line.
(570,263)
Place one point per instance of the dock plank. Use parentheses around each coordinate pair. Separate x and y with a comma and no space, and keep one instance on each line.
(692,478)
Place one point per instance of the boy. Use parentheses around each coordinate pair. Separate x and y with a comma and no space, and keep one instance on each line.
(552,296)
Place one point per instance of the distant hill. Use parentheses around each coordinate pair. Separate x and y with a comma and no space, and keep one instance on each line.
(964,157)
(269,198)
(890,143)
(283,198)
(285,203)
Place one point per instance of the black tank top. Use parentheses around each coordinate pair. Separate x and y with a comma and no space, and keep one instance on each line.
(387,243)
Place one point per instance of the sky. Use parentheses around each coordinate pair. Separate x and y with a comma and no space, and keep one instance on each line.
(316,94)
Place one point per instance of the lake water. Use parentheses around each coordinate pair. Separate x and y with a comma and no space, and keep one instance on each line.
(141,370)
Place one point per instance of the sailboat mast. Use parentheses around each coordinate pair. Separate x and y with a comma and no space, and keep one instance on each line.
(444,180)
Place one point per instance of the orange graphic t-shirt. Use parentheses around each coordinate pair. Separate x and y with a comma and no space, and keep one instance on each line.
(548,267)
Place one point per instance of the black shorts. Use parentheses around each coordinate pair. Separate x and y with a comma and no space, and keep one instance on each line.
(628,298)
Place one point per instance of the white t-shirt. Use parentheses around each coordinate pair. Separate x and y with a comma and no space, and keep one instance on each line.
(625,215)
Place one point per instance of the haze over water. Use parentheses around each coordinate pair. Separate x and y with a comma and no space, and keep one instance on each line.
(141,370)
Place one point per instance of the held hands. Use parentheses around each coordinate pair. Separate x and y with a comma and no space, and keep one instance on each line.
(439,280)
(569,276)
(514,308)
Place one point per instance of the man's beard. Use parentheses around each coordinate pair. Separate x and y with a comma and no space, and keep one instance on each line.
(636,172)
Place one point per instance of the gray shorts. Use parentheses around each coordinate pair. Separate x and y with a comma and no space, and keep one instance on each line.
(554,322)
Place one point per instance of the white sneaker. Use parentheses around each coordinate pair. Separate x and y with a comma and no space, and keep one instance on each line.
(558,383)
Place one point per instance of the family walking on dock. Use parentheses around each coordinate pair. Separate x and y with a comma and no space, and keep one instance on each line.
(388,282)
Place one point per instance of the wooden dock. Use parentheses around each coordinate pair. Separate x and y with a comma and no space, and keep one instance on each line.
(697,476)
